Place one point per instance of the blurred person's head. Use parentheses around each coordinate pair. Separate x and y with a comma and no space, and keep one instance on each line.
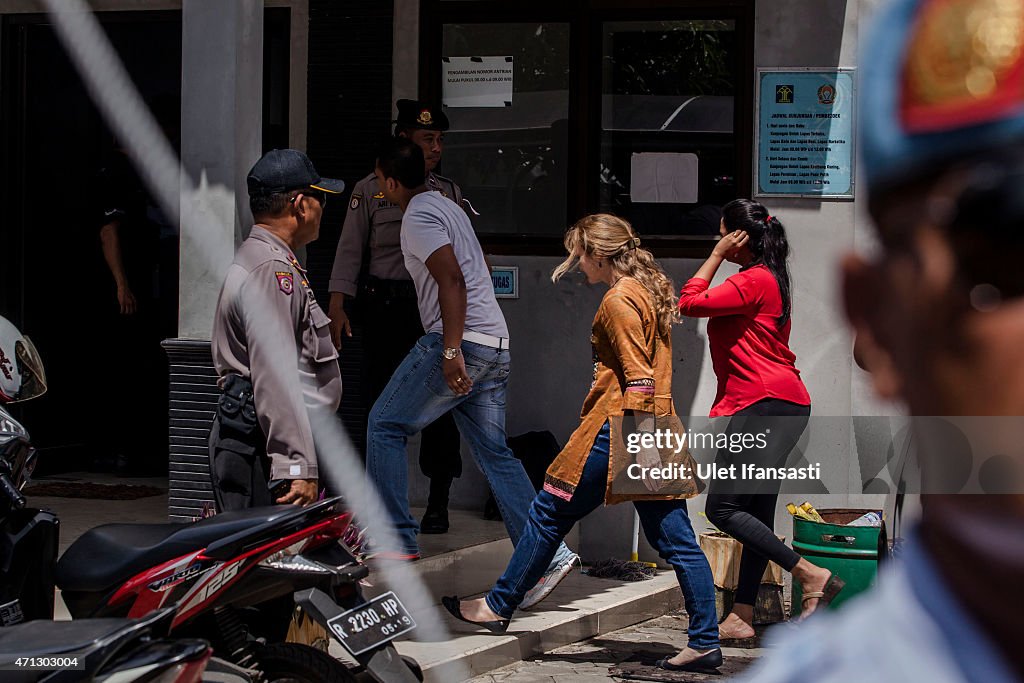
(424,125)
(606,248)
(767,245)
(288,196)
(938,309)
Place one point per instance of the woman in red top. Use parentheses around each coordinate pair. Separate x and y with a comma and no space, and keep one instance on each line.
(759,385)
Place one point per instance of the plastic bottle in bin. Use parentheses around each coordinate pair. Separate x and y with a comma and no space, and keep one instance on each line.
(871,518)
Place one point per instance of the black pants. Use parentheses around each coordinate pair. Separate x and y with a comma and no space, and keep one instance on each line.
(747,513)
(131,349)
(392,326)
(238,467)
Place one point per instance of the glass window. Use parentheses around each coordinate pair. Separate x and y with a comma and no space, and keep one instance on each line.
(510,156)
(668,150)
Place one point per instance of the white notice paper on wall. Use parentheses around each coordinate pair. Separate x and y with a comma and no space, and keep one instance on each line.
(663,178)
(477,81)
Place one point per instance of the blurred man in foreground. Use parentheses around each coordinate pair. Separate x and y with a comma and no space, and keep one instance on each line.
(939,317)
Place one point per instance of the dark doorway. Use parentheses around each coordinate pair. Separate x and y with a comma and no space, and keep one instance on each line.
(106,407)
(107,374)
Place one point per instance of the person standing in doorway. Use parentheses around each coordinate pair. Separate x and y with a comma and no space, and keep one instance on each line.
(369,264)
(131,230)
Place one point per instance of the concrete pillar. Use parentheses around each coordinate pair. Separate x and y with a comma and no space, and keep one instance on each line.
(405,81)
(221,129)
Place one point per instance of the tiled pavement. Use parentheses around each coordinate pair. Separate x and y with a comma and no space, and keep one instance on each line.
(598,659)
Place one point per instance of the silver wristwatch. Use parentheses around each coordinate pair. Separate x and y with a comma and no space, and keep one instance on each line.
(450,354)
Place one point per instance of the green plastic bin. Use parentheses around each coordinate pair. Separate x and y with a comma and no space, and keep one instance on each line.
(850,552)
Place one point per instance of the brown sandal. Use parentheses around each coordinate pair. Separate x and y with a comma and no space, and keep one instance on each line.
(826,595)
(736,641)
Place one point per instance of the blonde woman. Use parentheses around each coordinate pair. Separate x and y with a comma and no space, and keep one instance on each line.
(632,348)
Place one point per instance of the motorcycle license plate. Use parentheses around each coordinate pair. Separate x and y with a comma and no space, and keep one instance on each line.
(365,627)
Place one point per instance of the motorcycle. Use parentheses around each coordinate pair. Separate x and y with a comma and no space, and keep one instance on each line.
(101,650)
(235,579)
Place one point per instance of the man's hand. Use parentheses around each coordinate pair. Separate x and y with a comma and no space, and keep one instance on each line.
(302,492)
(650,458)
(339,319)
(455,374)
(126,300)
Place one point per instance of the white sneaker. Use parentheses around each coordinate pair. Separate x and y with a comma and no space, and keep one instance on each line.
(548,582)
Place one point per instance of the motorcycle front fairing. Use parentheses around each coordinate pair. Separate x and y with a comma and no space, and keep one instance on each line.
(29,538)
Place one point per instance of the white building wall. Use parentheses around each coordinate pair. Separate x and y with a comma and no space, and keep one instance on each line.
(550,324)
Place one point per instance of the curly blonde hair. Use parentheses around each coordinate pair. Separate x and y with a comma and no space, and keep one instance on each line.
(611,238)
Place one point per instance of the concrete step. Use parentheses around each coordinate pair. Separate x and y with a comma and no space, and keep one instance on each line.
(467,571)
(465,561)
(580,608)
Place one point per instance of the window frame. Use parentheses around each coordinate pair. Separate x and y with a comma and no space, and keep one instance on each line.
(586,19)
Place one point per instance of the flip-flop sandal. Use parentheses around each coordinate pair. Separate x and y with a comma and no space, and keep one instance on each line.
(749,643)
(740,642)
(826,595)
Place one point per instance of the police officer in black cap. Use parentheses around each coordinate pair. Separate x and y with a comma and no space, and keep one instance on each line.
(369,265)
(271,345)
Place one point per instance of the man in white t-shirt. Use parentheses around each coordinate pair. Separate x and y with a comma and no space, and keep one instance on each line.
(461,364)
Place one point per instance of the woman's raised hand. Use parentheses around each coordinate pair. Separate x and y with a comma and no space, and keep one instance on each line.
(729,246)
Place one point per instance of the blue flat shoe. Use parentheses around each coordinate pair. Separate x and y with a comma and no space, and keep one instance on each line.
(452,604)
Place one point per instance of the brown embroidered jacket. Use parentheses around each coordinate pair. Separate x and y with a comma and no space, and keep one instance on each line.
(628,352)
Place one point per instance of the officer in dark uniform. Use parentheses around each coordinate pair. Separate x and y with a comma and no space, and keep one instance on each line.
(139,310)
(271,344)
(369,264)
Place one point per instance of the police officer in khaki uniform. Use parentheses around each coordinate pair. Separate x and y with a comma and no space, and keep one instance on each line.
(369,264)
(271,344)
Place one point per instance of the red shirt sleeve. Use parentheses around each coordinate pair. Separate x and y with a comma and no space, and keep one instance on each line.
(697,301)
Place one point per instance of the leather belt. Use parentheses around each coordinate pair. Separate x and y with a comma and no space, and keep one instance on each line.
(389,289)
(500,343)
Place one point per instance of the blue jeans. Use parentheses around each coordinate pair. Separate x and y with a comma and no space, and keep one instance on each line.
(416,396)
(665,524)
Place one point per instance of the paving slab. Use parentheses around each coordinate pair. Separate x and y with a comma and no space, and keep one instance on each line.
(580,608)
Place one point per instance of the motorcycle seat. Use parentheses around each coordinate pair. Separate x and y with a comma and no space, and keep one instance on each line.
(111,554)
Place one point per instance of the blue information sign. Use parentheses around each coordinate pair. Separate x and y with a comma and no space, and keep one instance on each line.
(805,128)
(506,281)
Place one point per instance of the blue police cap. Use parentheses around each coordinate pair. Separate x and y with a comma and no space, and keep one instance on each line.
(280,170)
(941,81)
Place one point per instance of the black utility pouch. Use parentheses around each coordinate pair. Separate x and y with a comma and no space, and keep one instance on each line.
(236,409)
(237,449)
